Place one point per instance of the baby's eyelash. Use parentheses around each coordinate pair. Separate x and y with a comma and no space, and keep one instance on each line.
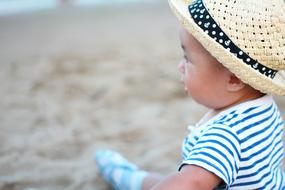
(186,58)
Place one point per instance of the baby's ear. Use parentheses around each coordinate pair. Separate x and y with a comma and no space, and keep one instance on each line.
(234,83)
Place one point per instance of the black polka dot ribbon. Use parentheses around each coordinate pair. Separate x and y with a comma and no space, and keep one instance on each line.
(204,20)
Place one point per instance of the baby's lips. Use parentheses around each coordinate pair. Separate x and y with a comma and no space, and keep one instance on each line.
(182,78)
(183,82)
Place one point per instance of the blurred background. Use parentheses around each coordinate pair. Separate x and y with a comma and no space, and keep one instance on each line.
(82,75)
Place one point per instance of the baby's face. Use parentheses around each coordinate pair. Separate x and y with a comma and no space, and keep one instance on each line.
(204,78)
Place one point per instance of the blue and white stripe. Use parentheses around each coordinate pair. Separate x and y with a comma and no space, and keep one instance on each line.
(242,145)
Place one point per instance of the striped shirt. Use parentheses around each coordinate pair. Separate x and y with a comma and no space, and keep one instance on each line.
(242,145)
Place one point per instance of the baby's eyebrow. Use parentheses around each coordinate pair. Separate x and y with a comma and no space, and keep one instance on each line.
(183,47)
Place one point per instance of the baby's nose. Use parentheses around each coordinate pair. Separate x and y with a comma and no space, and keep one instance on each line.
(181,66)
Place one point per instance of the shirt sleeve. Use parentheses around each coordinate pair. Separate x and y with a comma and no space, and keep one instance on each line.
(218,151)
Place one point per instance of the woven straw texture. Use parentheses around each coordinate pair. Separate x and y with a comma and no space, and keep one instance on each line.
(255,26)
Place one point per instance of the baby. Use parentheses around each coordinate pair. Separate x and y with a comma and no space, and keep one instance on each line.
(234,61)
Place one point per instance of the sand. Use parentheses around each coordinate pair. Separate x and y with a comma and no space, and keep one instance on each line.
(76,80)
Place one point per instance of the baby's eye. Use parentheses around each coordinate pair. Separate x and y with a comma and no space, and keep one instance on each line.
(186,58)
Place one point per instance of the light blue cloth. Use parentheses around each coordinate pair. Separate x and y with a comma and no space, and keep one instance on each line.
(116,170)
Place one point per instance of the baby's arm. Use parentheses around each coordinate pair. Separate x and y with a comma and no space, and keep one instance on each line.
(190,177)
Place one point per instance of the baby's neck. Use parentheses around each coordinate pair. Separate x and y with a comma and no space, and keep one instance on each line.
(250,95)
(243,97)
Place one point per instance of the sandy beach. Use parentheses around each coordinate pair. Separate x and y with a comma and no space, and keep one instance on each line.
(76,80)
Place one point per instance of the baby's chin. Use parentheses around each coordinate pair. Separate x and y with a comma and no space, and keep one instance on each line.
(187,92)
(186,89)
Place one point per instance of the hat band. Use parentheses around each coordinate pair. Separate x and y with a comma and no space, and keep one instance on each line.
(205,21)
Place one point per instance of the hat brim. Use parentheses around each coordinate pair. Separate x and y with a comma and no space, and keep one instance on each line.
(243,71)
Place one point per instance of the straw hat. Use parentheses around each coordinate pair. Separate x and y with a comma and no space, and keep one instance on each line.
(246,36)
